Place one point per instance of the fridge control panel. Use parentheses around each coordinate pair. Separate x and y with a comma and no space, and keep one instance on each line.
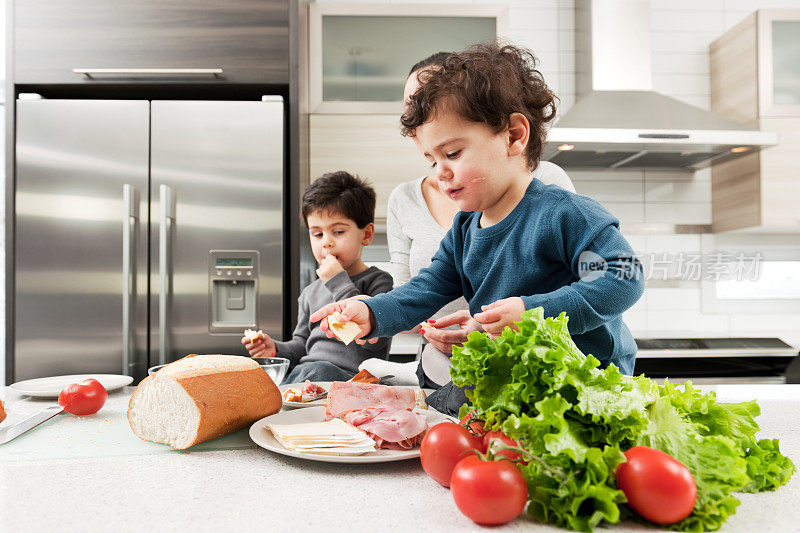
(233,290)
(233,267)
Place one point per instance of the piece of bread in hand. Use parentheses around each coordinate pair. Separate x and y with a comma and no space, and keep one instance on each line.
(253,335)
(201,397)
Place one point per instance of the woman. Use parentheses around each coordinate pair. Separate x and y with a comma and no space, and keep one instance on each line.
(418,217)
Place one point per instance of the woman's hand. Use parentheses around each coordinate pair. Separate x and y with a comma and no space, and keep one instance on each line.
(444,339)
(352,309)
(262,346)
(497,315)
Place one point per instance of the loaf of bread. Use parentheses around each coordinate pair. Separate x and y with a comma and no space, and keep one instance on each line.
(201,397)
(2,411)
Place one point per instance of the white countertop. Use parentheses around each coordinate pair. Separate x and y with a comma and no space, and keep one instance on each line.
(254,489)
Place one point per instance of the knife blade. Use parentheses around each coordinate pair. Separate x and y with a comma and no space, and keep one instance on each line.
(40,416)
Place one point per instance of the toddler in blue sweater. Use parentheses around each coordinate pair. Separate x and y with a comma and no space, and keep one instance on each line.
(516,244)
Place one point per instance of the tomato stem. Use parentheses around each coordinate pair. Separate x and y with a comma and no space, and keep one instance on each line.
(497,445)
(472,417)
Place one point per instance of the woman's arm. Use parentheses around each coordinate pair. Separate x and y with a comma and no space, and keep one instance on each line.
(399,243)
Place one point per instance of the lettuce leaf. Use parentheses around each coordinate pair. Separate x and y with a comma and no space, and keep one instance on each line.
(537,387)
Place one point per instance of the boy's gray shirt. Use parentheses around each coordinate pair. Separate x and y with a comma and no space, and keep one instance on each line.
(309,342)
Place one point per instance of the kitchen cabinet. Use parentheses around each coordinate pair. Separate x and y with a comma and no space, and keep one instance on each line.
(755,79)
(368,145)
(359,54)
(235,41)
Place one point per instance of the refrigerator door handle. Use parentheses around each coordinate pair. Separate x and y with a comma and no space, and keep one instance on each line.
(131,202)
(165,228)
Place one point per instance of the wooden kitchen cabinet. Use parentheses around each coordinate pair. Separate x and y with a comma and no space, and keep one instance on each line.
(247,39)
(755,79)
(368,145)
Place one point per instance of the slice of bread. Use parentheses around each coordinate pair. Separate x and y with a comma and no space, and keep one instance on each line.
(253,335)
(201,397)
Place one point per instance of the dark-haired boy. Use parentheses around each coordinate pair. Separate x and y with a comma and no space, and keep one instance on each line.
(339,211)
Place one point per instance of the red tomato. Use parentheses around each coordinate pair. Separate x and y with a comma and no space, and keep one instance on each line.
(658,487)
(488,492)
(84,398)
(444,445)
(475,429)
(499,435)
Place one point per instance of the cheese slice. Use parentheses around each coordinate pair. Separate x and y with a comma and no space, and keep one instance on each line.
(331,428)
(340,451)
(334,437)
(345,331)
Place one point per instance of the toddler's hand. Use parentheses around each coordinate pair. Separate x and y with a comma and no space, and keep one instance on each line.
(329,267)
(444,339)
(497,315)
(262,346)
(351,309)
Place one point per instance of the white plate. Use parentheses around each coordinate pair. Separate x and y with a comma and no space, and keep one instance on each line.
(264,438)
(52,386)
(293,405)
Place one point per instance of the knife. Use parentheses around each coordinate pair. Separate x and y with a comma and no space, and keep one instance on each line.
(43,415)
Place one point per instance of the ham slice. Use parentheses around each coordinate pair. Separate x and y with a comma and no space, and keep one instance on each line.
(384,413)
(346,396)
(389,428)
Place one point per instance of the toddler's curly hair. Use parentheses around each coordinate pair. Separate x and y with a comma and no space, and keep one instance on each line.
(486,83)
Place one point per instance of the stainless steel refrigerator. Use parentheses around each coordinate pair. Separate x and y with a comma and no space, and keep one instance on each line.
(145,231)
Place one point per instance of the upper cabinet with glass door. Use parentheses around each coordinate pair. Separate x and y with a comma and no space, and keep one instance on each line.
(755,67)
(360,54)
(755,79)
(779,62)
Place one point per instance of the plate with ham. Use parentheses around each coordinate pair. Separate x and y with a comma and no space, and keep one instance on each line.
(359,423)
(312,393)
(306,394)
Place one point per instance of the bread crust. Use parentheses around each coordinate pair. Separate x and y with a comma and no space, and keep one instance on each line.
(227,400)
(230,401)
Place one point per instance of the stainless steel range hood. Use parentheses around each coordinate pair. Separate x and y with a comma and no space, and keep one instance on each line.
(618,120)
